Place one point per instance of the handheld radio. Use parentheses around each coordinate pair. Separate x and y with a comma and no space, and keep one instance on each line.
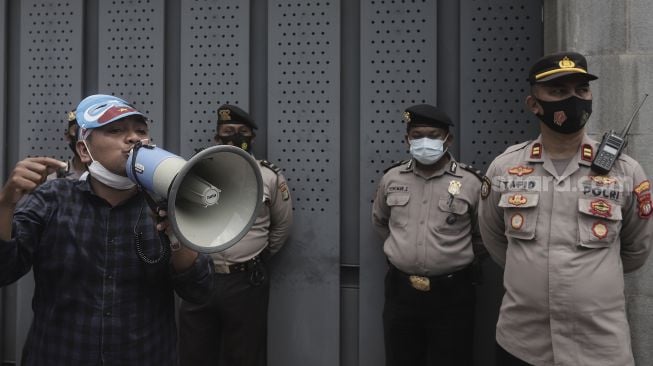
(612,145)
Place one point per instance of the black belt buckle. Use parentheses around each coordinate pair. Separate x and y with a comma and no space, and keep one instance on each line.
(257,275)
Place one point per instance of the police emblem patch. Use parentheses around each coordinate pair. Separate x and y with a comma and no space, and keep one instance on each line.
(599,230)
(485,187)
(517,200)
(454,187)
(516,221)
(645,209)
(283,188)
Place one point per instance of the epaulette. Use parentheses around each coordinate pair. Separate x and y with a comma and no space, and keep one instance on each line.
(519,146)
(396,164)
(472,170)
(270,166)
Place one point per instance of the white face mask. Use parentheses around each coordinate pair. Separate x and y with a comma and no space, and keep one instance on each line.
(99,172)
(427,151)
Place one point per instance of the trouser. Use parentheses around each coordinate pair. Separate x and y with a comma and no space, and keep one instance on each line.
(434,327)
(503,358)
(231,328)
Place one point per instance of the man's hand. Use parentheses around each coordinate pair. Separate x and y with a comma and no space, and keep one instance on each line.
(182,257)
(26,176)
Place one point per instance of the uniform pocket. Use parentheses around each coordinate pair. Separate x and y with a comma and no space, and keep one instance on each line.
(599,222)
(453,218)
(520,211)
(398,203)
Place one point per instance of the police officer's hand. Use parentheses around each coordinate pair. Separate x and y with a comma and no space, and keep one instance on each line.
(26,176)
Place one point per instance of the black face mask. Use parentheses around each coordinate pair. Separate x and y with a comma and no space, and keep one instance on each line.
(238,140)
(566,116)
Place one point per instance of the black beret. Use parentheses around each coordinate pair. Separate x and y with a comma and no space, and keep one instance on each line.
(426,115)
(558,65)
(230,114)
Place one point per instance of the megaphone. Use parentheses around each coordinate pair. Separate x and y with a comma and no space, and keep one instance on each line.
(212,199)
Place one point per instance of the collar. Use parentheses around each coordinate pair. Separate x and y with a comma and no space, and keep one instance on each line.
(584,156)
(451,167)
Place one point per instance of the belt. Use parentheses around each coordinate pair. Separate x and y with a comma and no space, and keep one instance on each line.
(425,283)
(246,266)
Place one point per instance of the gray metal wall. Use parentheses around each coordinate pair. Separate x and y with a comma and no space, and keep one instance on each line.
(326,81)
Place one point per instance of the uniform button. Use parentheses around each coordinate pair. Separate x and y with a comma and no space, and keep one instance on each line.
(421,222)
(424,201)
(110,277)
(108,313)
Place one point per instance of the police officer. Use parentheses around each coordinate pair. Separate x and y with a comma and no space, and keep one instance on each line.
(74,168)
(231,329)
(425,210)
(564,233)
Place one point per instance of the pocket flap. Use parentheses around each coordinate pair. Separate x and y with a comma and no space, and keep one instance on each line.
(599,207)
(397,199)
(519,200)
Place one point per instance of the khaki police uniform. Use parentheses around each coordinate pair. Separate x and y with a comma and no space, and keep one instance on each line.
(271,227)
(231,329)
(565,241)
(428,223)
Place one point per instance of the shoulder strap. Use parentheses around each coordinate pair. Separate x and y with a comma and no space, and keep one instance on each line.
(395,164)
(270,166)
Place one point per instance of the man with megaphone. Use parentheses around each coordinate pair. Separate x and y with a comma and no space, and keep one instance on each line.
(231,329)
(95,300)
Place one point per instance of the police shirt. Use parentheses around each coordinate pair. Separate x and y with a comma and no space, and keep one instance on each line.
(428,222)
(271,227)
(565,241)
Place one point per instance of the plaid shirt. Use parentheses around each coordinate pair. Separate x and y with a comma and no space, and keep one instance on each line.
(95,302)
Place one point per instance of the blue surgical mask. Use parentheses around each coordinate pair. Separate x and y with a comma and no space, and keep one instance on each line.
(426,150)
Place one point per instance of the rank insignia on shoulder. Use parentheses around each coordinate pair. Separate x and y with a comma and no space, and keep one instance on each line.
(536,151)
(270,166)
(283,188)
(588,152)
(520,170)
(486,187)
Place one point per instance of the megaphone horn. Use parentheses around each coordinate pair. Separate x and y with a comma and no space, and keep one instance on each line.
(212,199)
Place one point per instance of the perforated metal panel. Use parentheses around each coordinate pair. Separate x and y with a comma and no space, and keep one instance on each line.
(51,74)
(398,66)
(214,66)
(500,39)
(130,49)
(303,138)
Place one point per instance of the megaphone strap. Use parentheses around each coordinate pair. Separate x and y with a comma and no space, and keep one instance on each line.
(164,253)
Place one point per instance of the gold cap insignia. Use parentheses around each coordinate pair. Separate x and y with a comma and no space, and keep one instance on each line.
(71,116)
(224,115)
(566,63)
(406,117)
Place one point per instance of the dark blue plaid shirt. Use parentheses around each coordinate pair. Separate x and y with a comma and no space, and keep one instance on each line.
(95,302)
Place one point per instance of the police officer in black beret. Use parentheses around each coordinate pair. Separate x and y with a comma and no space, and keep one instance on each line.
(425,211)
(231,329)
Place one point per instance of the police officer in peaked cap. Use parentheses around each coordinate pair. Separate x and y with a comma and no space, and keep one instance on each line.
(564,232)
